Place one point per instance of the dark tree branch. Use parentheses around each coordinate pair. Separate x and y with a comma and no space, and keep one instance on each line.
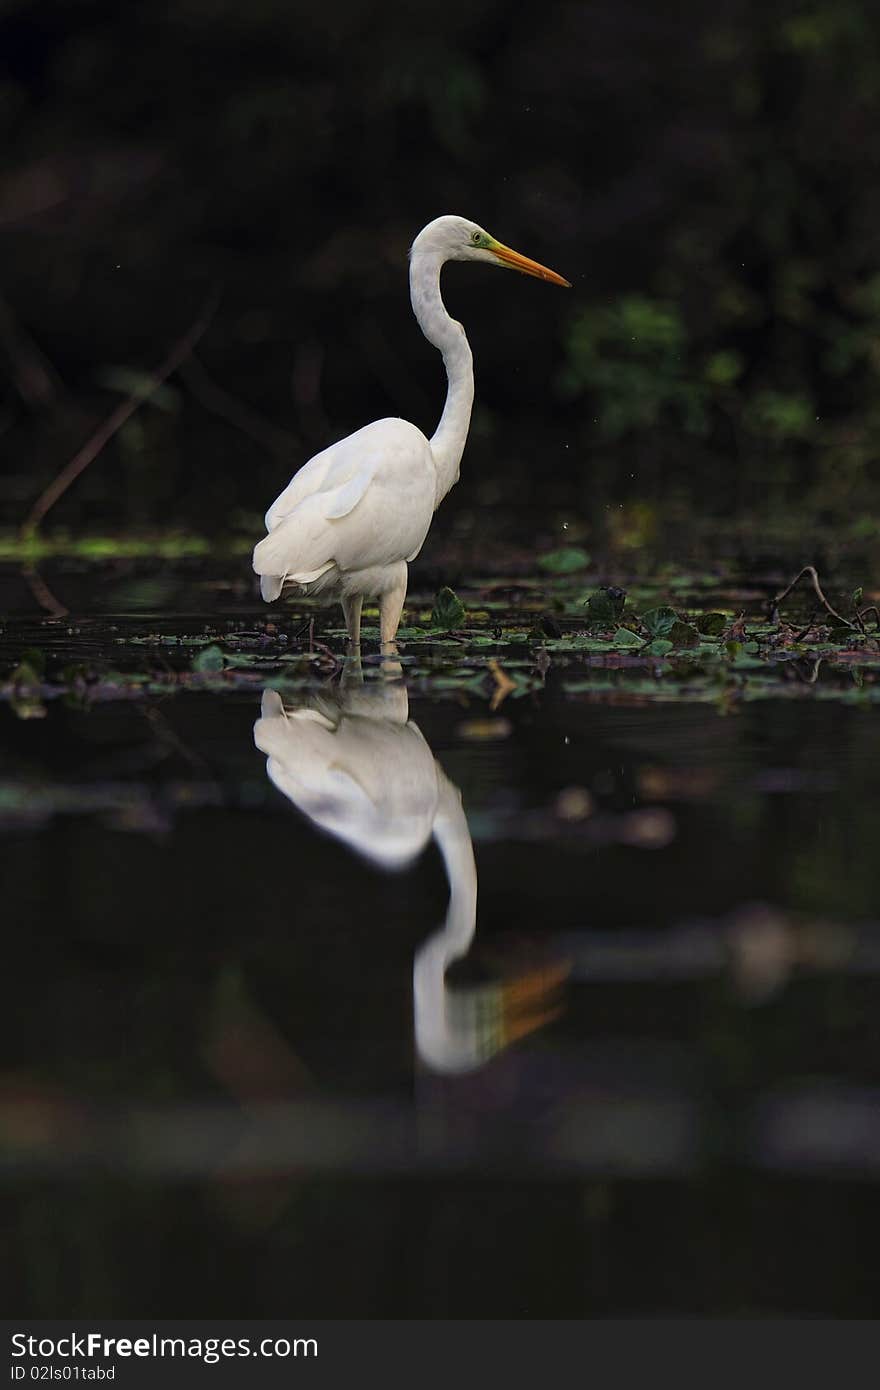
(114,422)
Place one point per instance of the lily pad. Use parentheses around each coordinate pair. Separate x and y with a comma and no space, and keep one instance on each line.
(683,635)
(660,621)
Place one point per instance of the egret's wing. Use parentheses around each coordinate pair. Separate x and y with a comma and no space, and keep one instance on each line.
(345,498)
(365,502)
(348,467)
(333,470)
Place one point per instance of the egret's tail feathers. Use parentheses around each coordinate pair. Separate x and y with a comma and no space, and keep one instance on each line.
(309,576)
(277,566)
(271,586)
(285,558)
(271,705)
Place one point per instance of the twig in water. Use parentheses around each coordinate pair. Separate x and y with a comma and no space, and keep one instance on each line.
(42,593)
(817,588)
(105,432)
(811,676)
(799,636)
(872,608)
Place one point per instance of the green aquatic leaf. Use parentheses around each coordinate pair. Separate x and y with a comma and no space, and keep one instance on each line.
(711,624)
(660,646)
(683,635)
(659,621)
(32,659)
(448,611)
(25,698)
(25,673)
(623,637)
(209,659)
(576,642)
(568,560)
(605,606)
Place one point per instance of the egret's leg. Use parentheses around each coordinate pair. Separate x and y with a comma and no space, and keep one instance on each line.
(351,607)
(390,609)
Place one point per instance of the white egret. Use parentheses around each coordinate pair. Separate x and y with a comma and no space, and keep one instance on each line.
(361,770)
(353,517)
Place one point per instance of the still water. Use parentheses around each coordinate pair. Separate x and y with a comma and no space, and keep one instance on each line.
(386,994)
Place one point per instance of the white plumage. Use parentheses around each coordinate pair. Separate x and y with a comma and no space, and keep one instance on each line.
(363,504)
(355,764)
(356,767)
(353,517)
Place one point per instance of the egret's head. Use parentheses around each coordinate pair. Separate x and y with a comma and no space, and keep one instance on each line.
(456,239)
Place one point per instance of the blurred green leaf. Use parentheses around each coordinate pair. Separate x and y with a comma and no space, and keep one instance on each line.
(33,660)
(209,659)
(448,612)
(567,560)
(683,635)
(605,606)
(128,381)
(781,415)
(724,368)
(659,621)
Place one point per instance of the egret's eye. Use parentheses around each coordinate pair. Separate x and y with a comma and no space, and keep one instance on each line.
(477,238)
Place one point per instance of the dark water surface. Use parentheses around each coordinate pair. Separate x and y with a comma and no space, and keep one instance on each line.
(565,1007)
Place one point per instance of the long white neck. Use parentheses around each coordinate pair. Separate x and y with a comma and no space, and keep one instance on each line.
(446,1041)
(448,440)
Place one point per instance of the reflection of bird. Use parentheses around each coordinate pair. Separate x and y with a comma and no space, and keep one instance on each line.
(353,516)
(459,1029)
(360,770)
(356,768)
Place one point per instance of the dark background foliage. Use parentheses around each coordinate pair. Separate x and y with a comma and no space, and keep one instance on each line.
(706,176)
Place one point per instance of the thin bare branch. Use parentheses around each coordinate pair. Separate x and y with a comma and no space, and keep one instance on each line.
(42,593)
(872,608)
(817,589)
(114,422)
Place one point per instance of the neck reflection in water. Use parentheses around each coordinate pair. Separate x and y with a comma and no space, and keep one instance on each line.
(355,764)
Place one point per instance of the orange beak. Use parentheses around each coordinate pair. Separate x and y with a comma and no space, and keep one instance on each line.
(515,261)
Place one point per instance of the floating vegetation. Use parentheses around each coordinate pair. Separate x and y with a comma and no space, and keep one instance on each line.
(680,639)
